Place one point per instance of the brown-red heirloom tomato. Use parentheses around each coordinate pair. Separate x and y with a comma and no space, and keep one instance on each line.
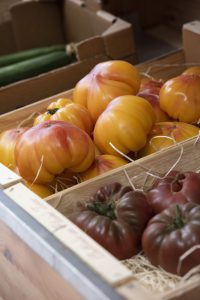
(176,188)
(170,234)
(115,216)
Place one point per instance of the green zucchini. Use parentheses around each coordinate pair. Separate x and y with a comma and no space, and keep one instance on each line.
(10,59)
(34,66)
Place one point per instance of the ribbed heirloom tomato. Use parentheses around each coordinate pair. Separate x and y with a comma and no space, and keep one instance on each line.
(50,147)
(66,110)
(115,216)
(105,82)
(125,123)
(170,234)
(180,98)
(175,188)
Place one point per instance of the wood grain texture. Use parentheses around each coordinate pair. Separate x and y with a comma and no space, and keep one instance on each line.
(165,67)
(24,275)
(185,155)
(24,116)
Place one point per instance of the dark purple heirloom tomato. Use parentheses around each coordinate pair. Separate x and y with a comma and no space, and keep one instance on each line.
(175,188)
(115,216)
(170,234)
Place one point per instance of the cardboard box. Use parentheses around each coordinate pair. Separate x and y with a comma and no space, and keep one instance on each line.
(98,36)
(7,39)
(191,41)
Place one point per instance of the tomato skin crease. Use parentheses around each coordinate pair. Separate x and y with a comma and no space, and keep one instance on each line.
(115,216)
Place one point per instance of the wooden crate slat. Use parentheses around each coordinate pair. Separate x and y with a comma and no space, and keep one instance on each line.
(185,153)
(71,236)
(24,275)
(7,177)
(165,67)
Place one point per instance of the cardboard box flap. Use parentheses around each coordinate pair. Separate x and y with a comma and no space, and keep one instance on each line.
(119,40)
(76,18)
(90,48)
(93,4)
(191,41)
(43,21)
(106,16)
(7,41)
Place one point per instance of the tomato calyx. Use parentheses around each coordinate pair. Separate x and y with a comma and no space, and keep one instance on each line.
(178,222)
(52,111)
(103,208)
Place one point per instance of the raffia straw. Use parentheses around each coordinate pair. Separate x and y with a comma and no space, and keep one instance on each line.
(153,278)
(58,200)
(39,170)
(129,180)
(197,139)
(184,256)
(190,274)
(156,175)
(26,120)
(150,68)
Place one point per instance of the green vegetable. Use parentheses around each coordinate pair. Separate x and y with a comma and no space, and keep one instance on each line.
(10,59)
(34,66)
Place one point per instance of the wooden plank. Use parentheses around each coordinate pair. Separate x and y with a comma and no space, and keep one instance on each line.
(186,290)
(72,237)
(24,275)
(7,177)
(165,67)
(183,156)
(134,291)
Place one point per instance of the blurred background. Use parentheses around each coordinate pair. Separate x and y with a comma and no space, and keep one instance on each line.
(157,24)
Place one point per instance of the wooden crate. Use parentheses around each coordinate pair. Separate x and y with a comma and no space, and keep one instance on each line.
(44,256)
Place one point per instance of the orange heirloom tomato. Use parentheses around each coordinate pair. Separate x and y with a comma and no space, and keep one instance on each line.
(125,123)
(48,148)
(102,164)
(66,110)
(165,134)
(8,140)
(105,82)
(180,98)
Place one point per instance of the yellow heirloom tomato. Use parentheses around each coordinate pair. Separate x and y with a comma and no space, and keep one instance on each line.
(125,123)
(165,134)
(66,110)
(180,98)
(105,82)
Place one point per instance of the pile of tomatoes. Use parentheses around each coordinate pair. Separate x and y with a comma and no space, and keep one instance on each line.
(164,222)
(113,111)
